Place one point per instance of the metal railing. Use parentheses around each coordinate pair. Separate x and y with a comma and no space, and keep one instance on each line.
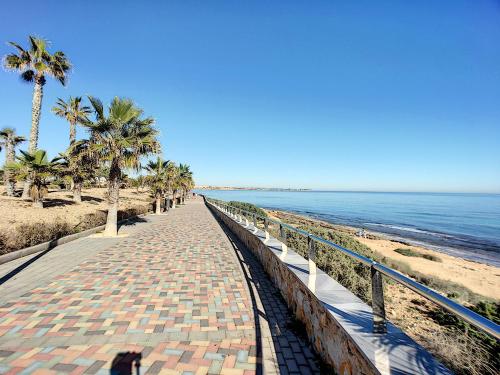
(377,271)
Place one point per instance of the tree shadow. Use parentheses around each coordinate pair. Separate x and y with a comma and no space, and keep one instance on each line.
(15,271)
(124,362)
(88,198)
(131,222)
(55,202)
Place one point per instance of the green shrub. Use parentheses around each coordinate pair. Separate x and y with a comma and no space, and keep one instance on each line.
(432,257)
(248,207)
(483,342)
(412,253)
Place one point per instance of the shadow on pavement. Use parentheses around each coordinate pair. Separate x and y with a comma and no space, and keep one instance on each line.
(123,363)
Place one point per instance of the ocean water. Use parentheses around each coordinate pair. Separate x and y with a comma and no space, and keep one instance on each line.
(465,225)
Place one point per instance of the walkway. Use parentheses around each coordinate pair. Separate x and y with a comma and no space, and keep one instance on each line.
(173,290)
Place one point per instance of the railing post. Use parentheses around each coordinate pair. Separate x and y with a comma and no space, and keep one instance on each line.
(255,223)
(282,234)
(312,263)
(266,229)
(378,306)
(284,247)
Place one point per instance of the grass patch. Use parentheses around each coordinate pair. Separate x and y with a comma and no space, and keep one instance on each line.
(412,253)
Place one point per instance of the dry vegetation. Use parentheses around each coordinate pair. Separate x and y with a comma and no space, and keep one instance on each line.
(23,225)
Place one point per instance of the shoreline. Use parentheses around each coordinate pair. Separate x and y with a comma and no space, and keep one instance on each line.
(483,279)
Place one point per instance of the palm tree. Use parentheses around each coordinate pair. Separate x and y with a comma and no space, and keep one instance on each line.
(159,179)
(73,111)
(37,168)
(175,185)
(10,140)
(138,183)
(80,164)
(119,138)
(186,182)
(34,64)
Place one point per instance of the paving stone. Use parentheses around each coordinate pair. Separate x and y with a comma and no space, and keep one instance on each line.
(173,290)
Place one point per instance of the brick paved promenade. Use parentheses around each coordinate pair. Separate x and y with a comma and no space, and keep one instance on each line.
(176,289)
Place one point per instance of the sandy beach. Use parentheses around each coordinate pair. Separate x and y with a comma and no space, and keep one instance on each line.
(480,278)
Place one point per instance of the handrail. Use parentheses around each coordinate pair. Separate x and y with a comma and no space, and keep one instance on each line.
(455,308)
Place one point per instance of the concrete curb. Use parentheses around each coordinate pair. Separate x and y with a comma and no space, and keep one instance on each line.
(60,241)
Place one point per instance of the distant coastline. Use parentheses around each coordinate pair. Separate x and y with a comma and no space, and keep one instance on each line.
(246,188)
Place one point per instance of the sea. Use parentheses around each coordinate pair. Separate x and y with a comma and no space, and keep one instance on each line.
(463,225)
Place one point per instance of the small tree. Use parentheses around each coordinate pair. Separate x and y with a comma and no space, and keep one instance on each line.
(80,164)
(38,169)
(159,179)
(185,182)
(10,140)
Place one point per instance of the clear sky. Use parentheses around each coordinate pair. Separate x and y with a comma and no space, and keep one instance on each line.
(348,95)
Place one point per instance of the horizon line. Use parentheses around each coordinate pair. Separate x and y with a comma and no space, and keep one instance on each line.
(305,190)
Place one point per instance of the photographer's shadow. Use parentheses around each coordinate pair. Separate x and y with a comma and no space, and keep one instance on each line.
(123,363)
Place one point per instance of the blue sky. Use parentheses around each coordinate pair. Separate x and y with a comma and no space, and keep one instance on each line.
(344,95)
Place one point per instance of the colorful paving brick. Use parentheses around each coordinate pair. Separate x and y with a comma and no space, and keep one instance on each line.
(173,291)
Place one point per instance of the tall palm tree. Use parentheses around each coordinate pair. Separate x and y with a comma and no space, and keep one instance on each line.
(159,179)
(73,111)
(186,182)
(119,138)
(10,140)
(38,169)
(34,65)
(175,185)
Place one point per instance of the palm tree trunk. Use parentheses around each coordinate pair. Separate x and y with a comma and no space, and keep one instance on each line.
(72,139)
(72,132)
(36,110)
(111,229)
(158,205)
(37,196)
(77,191)
(8,178)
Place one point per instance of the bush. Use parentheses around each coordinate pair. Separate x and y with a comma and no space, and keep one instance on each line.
(248,207)
(480,344)
(92,220)
(31,234)
(412,253)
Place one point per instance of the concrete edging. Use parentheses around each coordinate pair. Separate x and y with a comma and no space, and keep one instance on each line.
(60,241)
